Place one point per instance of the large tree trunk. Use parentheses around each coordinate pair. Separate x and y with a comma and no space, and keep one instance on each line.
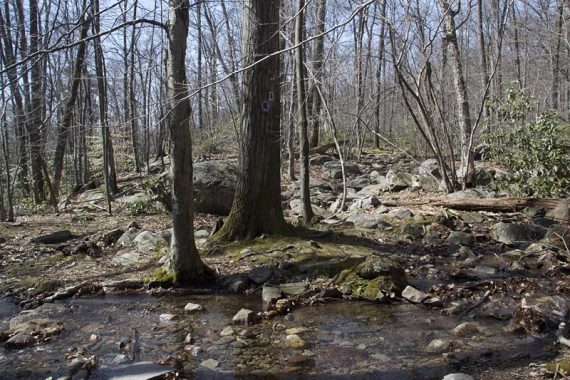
(257,202)
(465,126)
(185,263)
(318,65)
(381,63)
(302,112)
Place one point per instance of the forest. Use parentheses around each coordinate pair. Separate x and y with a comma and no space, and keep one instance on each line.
(249,188)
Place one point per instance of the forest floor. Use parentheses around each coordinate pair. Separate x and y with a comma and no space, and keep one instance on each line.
(501,300)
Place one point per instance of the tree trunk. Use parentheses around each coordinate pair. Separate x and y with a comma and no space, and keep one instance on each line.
(482,52)
(556,57)
(302,112)
(465,127)
(109,172)
(63,131)
(185,263)
(318,65)
(257,203)
(379,86)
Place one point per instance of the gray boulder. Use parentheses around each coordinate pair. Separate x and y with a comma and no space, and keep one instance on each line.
(511,233)
(214,187)
(333,169)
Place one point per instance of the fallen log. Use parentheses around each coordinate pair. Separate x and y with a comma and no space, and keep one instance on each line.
(485,204)
(322,149)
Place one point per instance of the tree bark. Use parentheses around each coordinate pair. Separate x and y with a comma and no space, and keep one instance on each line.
(555,94)
(318,65)
(185,263)
(257,203)
(465,127)
(63,131)
(302,112)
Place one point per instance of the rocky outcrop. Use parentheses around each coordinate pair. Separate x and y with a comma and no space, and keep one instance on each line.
(214,187)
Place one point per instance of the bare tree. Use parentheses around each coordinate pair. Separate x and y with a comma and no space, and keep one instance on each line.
(184,261)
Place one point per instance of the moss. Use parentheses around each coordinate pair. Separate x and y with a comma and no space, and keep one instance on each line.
(561,366)
(160,278)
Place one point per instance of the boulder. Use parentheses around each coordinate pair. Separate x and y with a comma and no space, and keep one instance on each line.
(460,238)
(400,213)
(244,317)
(366,202)
(53,238)
(320,160)
(397,181)
(429,167)
(468,194)
(259,275)
(413,295)
(511,233)
(333,169)
(370,221)
(147,241)
(373,278)
(214,187)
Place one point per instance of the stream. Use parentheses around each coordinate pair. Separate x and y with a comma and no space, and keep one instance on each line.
(341,340)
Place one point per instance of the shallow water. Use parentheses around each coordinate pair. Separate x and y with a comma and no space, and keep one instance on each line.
(343,339)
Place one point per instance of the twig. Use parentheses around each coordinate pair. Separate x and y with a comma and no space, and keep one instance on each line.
(483,299)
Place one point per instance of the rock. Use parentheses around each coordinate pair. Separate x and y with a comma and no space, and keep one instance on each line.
(260,275)
(128,237)
(111,237)
(119,359)
(296,330)
(366,202)
(397,181)
(294,288)
(214,187)
(333,169)
(559,235)
(201,234)
(561,213)
(359,183)
(209,363)
(368,221)
(373,278)
(400,213)
(134,224)
(295,341)
(460,238)
(414,230)
(134,371)
(244,317)
(371,190)
(149,242)
(466,329)
(511,233)
(465,253)
(193,307)
(413,295)
(457,376)
(429,167)
(228,331)
(30,327)
(167,317)
(536,313)
(54,238)
(320,160)
(438,346)
(269,294)
(126,258)
(432,236)
(468,194)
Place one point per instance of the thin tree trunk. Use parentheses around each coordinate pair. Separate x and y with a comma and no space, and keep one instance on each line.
(379,86)
(185,263)
(464,119)
(63,131)
(302,112)
(555,94)
(318,66)
(483,50)
(132,97)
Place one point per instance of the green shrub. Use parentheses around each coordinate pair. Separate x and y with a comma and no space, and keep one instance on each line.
(537,154)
